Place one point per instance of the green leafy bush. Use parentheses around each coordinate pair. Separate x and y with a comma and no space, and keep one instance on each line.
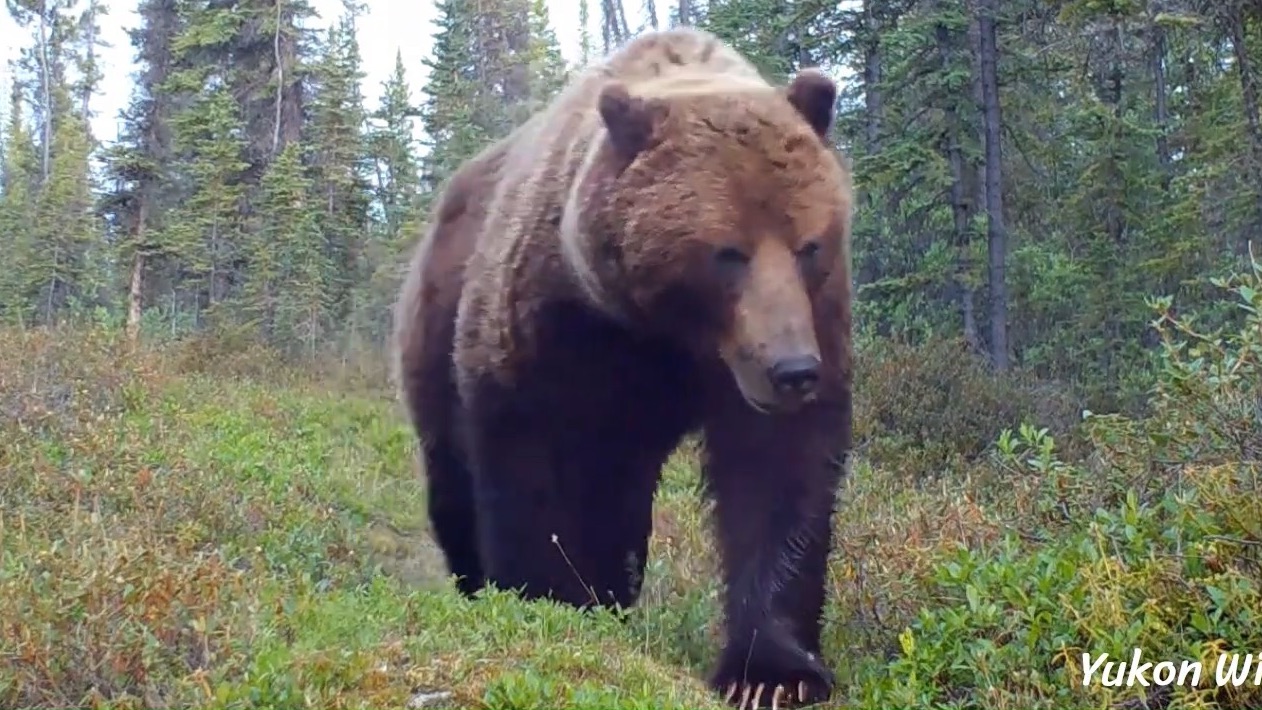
(932,407)
(1160,549)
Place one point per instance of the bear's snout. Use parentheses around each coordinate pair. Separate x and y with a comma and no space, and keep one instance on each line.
(795,376)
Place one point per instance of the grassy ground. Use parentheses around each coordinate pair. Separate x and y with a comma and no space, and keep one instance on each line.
(185,527)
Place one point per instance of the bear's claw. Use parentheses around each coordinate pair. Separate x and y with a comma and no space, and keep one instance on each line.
(777,673)
(752,696)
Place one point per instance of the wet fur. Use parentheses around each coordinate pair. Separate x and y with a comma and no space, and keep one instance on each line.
(548,390)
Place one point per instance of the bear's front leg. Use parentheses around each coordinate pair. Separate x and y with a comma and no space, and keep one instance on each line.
(774,479)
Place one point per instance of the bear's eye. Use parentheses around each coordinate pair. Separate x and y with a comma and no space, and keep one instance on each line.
(731,256)
(808,250)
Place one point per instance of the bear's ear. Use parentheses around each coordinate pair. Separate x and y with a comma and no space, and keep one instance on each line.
(631,121)
(814,95)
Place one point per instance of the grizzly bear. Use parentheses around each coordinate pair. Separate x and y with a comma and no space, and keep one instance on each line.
(662,250)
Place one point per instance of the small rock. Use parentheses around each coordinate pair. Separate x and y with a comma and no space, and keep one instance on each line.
(424,698)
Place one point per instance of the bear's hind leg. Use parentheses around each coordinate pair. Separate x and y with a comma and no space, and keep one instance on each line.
(617,518)
(637,409)
(453,514)
(565,508)
(526,538)
(566,460)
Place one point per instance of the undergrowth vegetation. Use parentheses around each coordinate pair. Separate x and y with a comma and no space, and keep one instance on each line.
(200,525)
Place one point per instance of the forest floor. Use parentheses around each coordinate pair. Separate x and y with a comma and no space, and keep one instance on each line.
(197,527)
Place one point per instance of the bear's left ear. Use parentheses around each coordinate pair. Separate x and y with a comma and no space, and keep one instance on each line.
(814,95)
(632,121)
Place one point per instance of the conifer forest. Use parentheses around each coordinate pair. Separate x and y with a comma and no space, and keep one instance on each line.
(209,496)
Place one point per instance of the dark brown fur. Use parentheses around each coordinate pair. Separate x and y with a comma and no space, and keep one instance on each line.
(626,268)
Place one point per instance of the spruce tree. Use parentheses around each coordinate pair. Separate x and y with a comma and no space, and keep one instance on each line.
(548,72)
(205,232)
(287,291)
(139,164)
(454,130)
(338,155)
(395,167)
(19,176)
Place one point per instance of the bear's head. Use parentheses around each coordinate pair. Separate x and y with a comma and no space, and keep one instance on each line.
(717,217)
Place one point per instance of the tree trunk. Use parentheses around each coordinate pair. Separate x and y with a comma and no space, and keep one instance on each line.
(1249,97)
(1115,217)
(89,82)
(873,117)
(280,78)
(135,291)
(872,76)
(996,232)
(615,24)
(46,91)
(685,12)
(961,206)
(1161,111)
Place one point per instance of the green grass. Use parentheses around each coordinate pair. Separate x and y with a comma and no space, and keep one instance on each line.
(184,529)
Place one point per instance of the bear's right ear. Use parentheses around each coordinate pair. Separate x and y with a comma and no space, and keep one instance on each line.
(814,95)
(632,122)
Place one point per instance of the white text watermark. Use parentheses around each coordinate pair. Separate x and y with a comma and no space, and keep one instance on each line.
(1234,669)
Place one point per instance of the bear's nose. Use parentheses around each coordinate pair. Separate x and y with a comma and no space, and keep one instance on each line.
(795,375)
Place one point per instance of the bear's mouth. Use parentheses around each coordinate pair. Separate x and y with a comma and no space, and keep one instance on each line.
(784,405)
(781,405)
(760,407)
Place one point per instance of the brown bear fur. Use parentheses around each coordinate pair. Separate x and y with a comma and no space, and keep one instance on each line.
(663,249)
